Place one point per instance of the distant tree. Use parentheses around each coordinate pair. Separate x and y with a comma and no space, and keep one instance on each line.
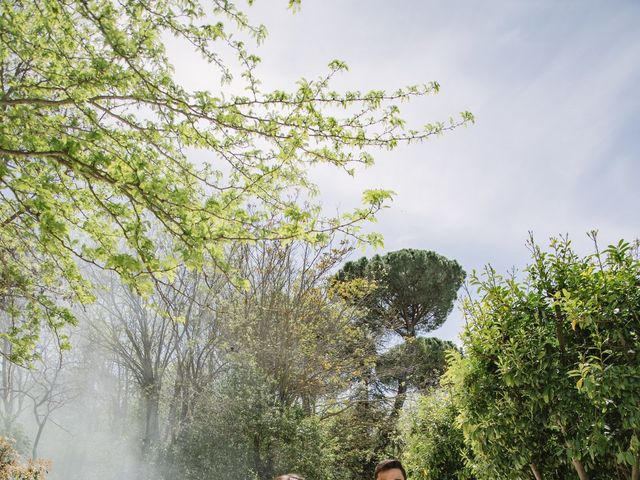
(199,342)
(47,387)
(549,383)
(289,322)
(14,380)
(139,334)
(409,292)
(241,430)
(38,387)
(413,292)
(96,139)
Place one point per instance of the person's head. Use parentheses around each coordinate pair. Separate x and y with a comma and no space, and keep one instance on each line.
(390,469)
(289,476)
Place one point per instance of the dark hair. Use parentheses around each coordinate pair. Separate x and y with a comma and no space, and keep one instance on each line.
(389,464)
(290,476)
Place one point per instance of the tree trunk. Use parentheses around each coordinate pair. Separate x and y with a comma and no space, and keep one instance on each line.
(263,467)
(151,401)
(635,470)
(582,473)
(176,408)
(390,436)
(36,441)
(307,405)
(536,472)
(400,396)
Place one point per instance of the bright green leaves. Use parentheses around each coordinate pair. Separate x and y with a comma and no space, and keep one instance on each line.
(34,296)
(376,198)
(550,372)
(468,117)
(434,443)
(338,65)
(98,141)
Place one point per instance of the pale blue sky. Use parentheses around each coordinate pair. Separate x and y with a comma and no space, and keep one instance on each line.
(553,85)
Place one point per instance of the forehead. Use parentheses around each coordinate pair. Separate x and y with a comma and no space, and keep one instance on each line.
(391,474)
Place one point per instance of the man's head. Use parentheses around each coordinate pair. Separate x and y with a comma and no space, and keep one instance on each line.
(390,469)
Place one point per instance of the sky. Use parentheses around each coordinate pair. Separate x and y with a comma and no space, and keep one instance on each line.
(552,84)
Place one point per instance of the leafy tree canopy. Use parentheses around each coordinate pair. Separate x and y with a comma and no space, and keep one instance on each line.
(413,290)
(96,137)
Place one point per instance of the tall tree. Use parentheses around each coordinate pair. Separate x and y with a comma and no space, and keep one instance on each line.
(410,292)
(140,335)
(198,336)
(289,322)
(96,135)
